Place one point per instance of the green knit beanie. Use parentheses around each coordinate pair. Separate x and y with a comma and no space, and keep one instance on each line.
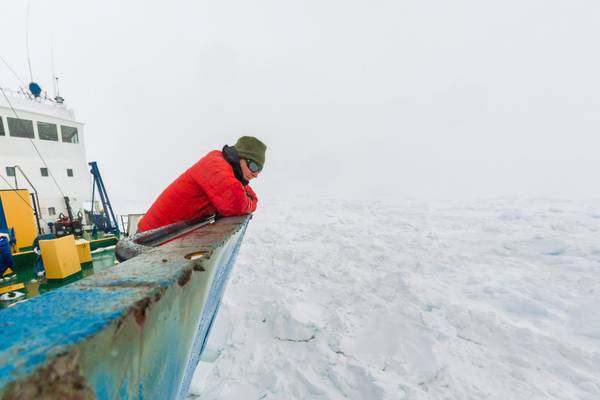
(249,147)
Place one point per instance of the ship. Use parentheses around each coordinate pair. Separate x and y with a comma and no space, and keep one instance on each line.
(88,309)
(45,192)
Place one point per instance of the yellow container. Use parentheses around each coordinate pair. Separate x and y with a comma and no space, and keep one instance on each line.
(18,213)
(84,250)
(60,257)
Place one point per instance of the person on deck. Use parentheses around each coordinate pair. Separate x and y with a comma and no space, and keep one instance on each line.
(216,184)
(6,260)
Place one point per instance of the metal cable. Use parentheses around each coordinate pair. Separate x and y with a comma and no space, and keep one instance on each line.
(13,71)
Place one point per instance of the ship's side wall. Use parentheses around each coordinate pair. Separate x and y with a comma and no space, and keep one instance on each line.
(131,332)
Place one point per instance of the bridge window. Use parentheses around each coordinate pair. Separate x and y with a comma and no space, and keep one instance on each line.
(69,134)
(69,172)
(10,171)
(44,171)
(47,131)
(18,127)
(51,211)
(2,133)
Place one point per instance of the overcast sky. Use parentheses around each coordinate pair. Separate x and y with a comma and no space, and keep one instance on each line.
(405,98)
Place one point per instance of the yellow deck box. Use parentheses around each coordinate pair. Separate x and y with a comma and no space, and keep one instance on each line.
(60,257)
(84,250)
(16,212)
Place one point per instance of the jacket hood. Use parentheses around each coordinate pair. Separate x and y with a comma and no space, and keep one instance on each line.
(231,156)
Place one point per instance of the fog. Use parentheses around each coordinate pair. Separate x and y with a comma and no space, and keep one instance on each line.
(357,99)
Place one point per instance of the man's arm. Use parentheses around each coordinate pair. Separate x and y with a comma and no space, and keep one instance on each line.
(225,192)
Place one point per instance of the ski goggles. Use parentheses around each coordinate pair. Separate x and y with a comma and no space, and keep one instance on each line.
(253,167)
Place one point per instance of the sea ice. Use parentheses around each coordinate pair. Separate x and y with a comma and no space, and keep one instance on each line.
(411,300)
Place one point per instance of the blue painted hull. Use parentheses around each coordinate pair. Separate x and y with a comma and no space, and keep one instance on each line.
(135,331)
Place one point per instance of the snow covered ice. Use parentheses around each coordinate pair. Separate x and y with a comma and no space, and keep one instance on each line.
(411,300)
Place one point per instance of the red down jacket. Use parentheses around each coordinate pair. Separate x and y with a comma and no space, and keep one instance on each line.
(207,187)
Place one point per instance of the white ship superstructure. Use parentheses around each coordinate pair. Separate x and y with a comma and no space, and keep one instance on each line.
(58,137)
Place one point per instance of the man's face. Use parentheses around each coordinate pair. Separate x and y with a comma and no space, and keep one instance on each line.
(248,175)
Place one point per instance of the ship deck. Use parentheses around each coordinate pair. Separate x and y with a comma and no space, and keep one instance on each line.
(103,257)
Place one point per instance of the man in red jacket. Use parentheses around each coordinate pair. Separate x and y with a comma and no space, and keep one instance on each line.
(216,184)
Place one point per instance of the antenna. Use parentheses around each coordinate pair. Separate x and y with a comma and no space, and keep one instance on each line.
(54,78)
(59,99)
(27,41)
(57,96)
(34,88)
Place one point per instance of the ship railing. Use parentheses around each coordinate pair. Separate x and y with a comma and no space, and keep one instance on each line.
(132,246)
(25,95)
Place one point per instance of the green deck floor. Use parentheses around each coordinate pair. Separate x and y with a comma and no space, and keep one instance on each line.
(35,286)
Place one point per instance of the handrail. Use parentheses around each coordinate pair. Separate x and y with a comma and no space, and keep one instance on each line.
(22,94)
(134,245)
